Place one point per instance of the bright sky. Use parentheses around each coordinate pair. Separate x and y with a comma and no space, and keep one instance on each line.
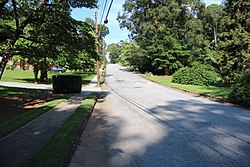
(115,33)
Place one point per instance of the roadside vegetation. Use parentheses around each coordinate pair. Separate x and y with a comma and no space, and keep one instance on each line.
(197,44)
(214,91)
(60,143)
(44,36)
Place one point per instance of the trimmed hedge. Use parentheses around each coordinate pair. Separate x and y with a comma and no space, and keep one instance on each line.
(198,74)
(67,83)
(241,90)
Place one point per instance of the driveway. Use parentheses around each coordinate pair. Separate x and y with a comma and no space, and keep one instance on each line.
(140,123)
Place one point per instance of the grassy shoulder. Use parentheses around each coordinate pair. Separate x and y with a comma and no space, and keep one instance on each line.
(23,119)
(55,150)
(214,91)
(27,76)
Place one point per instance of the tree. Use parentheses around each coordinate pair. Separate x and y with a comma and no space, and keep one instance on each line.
(211,18)
(160,28)
(234,41)
(17,16)
(114,52)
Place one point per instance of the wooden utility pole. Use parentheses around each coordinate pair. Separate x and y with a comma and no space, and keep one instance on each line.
(104,52)
(97,49)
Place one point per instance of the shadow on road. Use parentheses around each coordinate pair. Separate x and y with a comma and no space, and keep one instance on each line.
(174,134)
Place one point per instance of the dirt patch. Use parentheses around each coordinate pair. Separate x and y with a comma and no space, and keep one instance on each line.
(15,105)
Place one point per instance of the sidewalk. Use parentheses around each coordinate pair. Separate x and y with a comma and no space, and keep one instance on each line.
(26,85)
(17,148)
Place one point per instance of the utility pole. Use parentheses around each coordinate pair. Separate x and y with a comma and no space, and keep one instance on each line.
(104,52)
(97,49)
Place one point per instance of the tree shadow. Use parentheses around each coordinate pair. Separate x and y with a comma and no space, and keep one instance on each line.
(177,133)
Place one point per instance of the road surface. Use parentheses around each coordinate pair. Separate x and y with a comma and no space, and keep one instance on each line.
(140,123)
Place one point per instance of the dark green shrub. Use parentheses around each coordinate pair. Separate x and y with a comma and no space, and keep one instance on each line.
(241,90)
(67,83)
(198,74)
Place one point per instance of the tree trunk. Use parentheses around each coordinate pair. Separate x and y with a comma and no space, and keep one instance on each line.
(3,63)
(5,55)
(44,75)
(44,72)
(215,34)
(166,71)
(22,65)
(36,70)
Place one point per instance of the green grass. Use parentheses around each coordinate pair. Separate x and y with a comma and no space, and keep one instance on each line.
(23,119)
(17,75)
(27,76)
(215,91)
(7,91)
(55,150)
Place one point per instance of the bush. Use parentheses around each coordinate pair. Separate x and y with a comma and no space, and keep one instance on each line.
(241,90)
(67,83)
(198,74)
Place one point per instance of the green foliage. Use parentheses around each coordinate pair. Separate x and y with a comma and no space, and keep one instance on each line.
(133,55)
(176,33)
(167,31)
(114,52)
(198,74)
(42,31)
(67,83)
(234,44)
(241,90)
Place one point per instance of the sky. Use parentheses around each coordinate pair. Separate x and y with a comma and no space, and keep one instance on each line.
(115,33)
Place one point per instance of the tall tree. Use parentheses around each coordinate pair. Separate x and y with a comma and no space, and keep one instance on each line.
(234,41)
(160,28)
(17,16)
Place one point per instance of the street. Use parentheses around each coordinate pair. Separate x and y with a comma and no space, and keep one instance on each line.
(140,123)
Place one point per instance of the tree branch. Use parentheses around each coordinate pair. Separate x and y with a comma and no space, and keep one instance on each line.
(16,16)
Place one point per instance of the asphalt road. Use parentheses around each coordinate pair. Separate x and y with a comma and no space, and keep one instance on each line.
(140,123)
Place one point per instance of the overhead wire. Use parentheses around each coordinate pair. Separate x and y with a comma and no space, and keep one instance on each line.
(103,11)
(106,19)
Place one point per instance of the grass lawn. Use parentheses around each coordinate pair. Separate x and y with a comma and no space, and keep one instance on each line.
(21,120)
(6,91)
(18,75)
(27,76)
(55,150)
(214,91)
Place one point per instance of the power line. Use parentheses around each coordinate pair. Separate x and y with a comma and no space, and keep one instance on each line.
(106,19)
(104,8)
